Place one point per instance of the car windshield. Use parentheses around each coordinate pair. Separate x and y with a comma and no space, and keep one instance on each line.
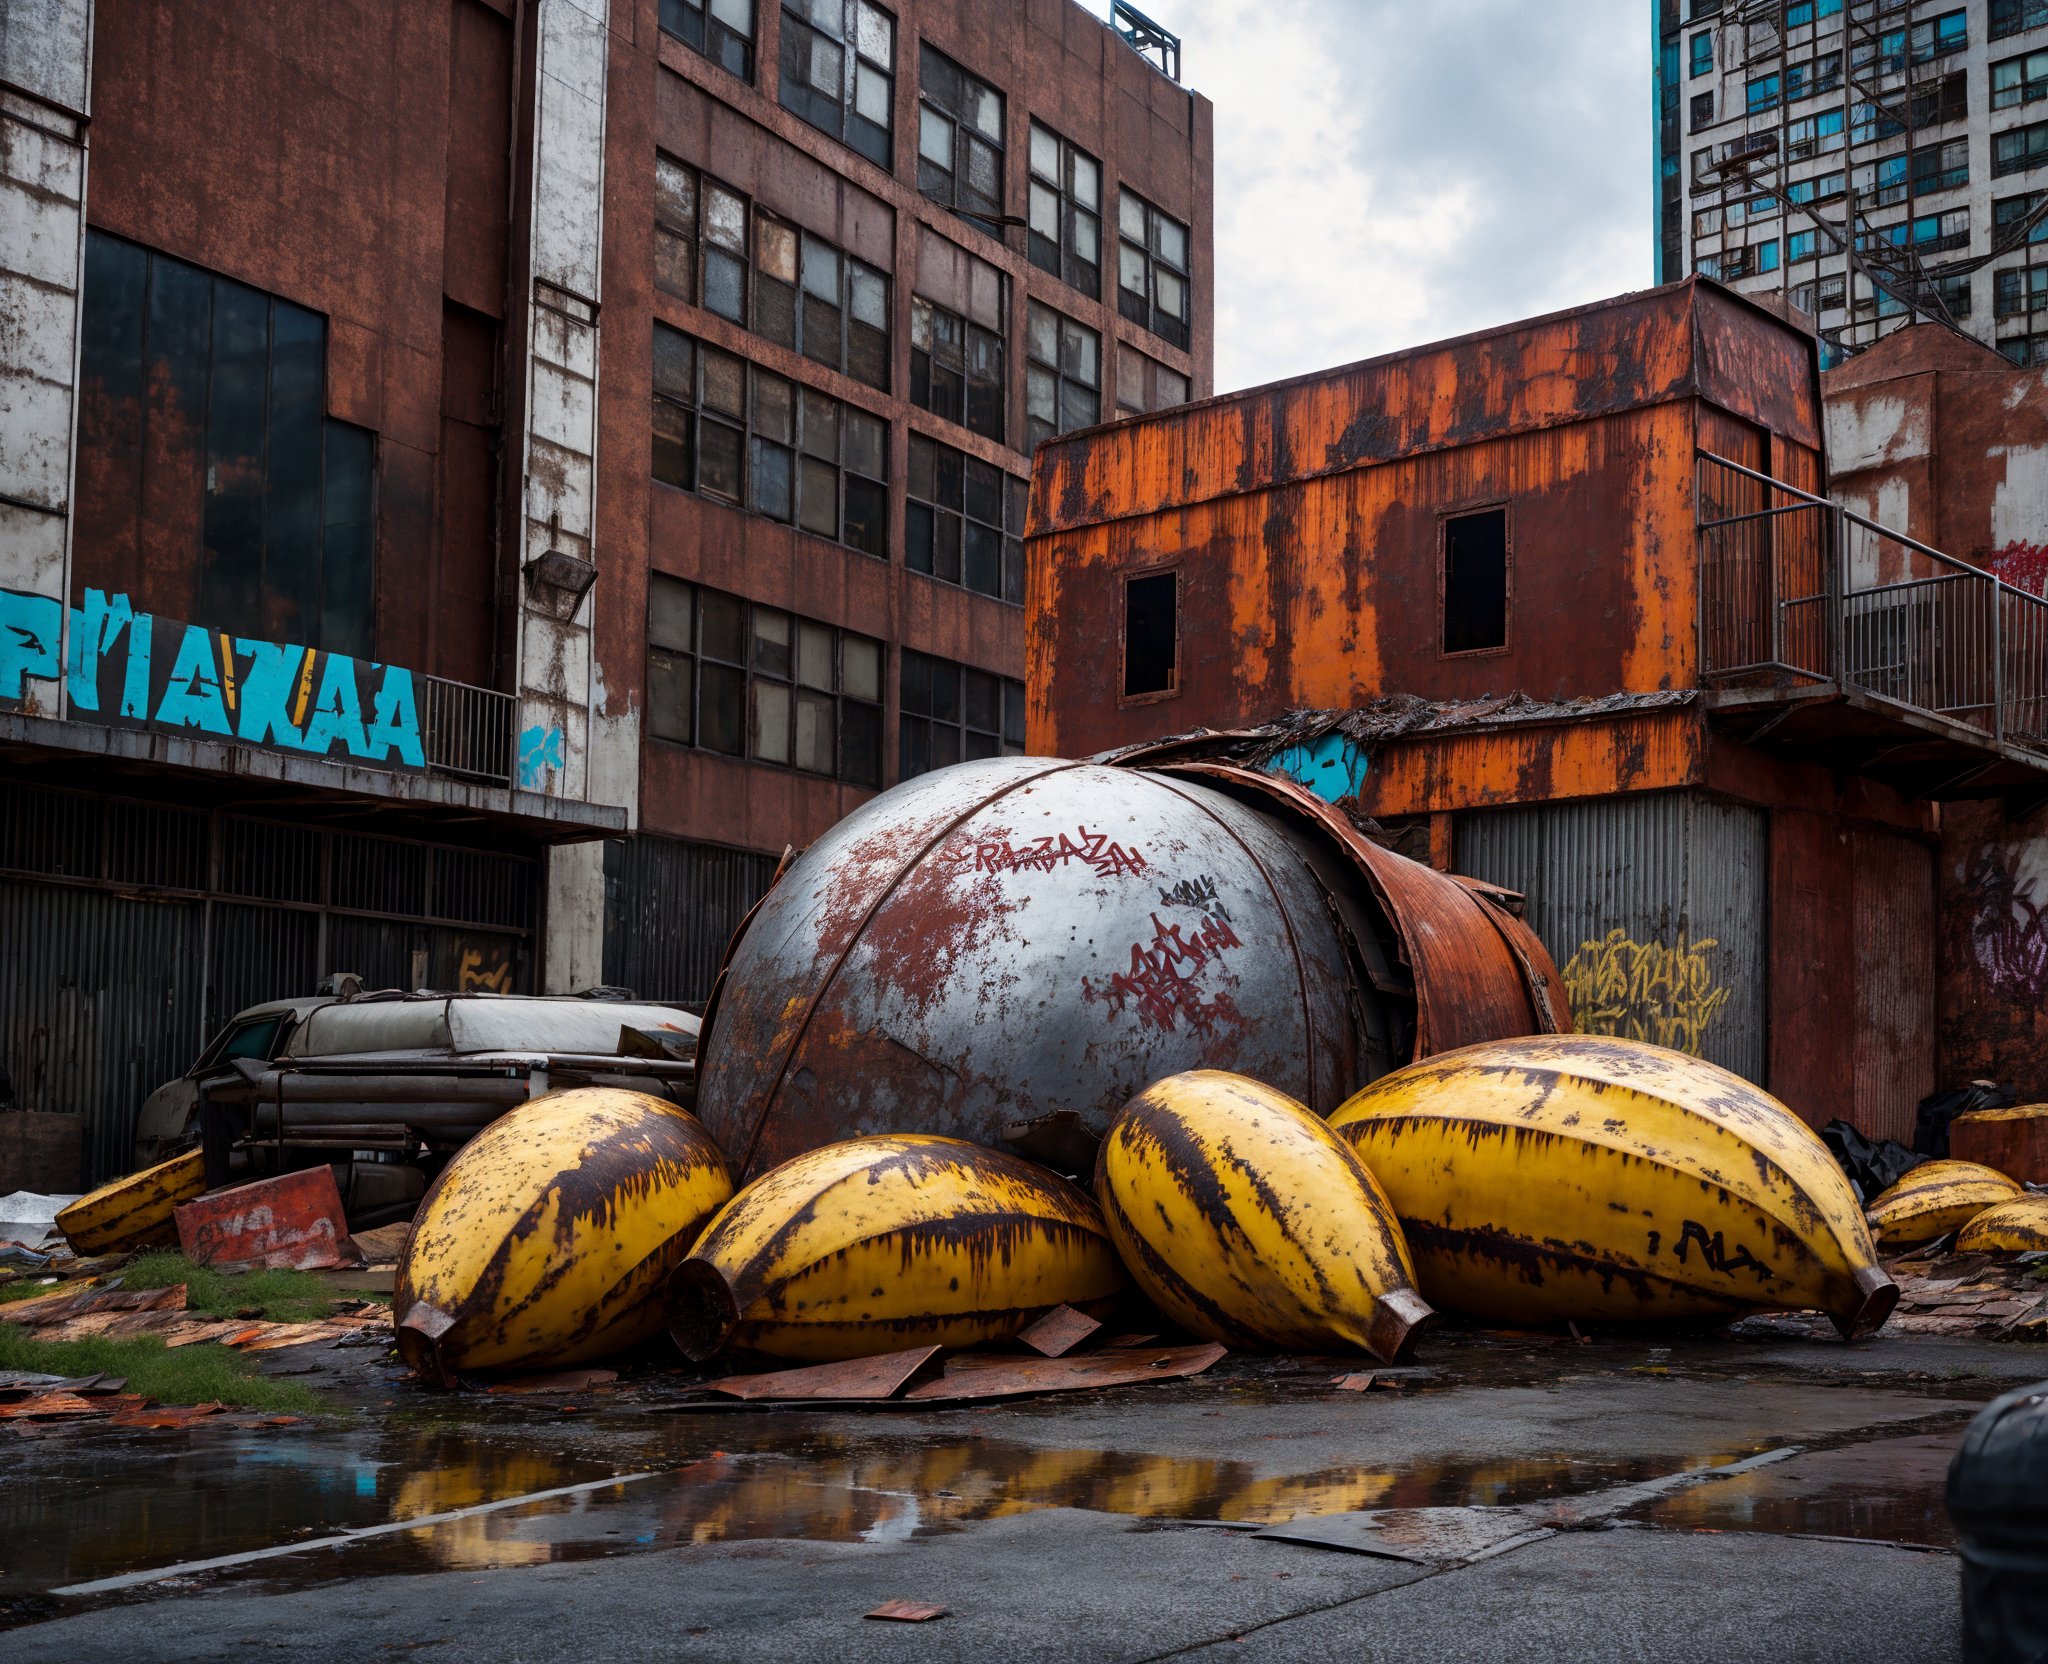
(250,1039)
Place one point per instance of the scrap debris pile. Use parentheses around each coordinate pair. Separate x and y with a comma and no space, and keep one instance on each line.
(1161,989)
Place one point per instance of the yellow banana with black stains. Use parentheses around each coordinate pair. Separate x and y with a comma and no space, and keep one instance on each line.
(1935,1198)
(1578,1176)
(548,1239)
(885,1243)
(136,1211)
(2016,1227)
(1248,1221)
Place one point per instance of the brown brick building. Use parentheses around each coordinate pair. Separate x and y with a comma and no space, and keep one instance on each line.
(480,478)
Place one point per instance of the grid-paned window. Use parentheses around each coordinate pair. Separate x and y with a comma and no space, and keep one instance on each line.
(1814,135)
(2021,80)
(1942,167)
(2019,148)
(2010,213)
(1062,374)
(787,285)
(1955,293)
(1066,211)
(959,139)
(839,71)
(1800,245)
(963,520)
(954,713)
(201,390)
(724,428)
(956,368)
(723,30)
(1152,269)
(1703,53)
(2019,290)
(1702,111)
(1821,74)
(1144,383)
(1765,92)
(728,675)
(2013,17)
(2025,350)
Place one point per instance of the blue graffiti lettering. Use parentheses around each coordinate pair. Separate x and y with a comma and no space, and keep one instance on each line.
(267,692)
(192,698)
(1331,766)
(337,709)
(94,628)
(540,749)
(394,722)
(29,628)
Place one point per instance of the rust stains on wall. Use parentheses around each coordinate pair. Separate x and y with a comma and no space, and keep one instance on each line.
(1306,520)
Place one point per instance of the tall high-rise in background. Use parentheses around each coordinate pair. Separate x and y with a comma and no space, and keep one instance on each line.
(480,478)
(1872,162)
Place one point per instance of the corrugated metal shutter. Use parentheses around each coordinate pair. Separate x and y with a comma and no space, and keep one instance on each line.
(1894,924)
(1653,906)
(99,1004)
(669,909)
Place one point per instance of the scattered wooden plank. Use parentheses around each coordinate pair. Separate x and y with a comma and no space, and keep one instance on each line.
(881,1376)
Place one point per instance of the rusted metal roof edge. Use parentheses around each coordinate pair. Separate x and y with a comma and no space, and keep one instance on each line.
(1281,482)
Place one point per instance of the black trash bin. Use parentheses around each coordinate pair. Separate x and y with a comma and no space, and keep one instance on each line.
(1998,1503)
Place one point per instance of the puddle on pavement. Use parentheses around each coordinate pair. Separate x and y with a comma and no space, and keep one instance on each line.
(102,1507)
(1888,1490)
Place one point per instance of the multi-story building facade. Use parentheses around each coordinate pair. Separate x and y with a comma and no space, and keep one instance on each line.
(1871,162)
(480,479)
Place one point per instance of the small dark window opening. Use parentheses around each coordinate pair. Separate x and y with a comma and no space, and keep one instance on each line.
(1476,581)
(1151,634)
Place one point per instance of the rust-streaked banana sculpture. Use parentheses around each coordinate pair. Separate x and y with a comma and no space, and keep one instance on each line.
(2016,1227)
(137,1211)
(1935,1198)
(548,1238)
(879,1244)
(1566,1176)
(1248,1221)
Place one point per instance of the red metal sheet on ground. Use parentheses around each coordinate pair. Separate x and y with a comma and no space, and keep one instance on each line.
(981,1375)
(1059,1331)
(291,1222)
(880,1376)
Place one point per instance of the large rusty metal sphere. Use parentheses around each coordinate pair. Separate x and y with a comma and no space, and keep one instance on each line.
(1001,941)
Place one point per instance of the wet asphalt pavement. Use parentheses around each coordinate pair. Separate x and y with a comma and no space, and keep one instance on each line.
(1558,1501)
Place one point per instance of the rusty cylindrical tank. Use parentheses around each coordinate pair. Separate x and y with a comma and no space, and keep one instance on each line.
(1008,951)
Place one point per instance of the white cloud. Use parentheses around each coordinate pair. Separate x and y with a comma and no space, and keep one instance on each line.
(1390,173)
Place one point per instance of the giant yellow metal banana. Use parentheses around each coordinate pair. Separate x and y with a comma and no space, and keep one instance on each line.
(1579,1176)
(548,1238)
(1935,1198)
(2016,1227)
(879,1244)
(135,1211)
(1248,1221)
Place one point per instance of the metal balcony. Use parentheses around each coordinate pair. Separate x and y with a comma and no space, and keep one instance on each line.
(1826,633)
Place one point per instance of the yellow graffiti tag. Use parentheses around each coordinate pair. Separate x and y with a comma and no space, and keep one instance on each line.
(1645,990)
(474,976)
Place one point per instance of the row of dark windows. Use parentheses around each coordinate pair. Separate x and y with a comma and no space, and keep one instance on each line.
(730,430)
(717,250)
(734,677)
(837,73)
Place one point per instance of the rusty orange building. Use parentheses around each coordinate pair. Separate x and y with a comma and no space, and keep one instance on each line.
(1565,606)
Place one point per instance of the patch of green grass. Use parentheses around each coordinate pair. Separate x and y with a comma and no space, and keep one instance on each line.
(27,1288)
(279,1296)
(198,1374)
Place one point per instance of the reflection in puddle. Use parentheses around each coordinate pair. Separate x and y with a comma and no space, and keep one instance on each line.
(100,1508)
(1888,1490)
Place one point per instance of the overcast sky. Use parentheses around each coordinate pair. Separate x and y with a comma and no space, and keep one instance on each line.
(1396,171)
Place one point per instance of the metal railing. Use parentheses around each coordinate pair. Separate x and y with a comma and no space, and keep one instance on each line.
(1796,588)
(467,731)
